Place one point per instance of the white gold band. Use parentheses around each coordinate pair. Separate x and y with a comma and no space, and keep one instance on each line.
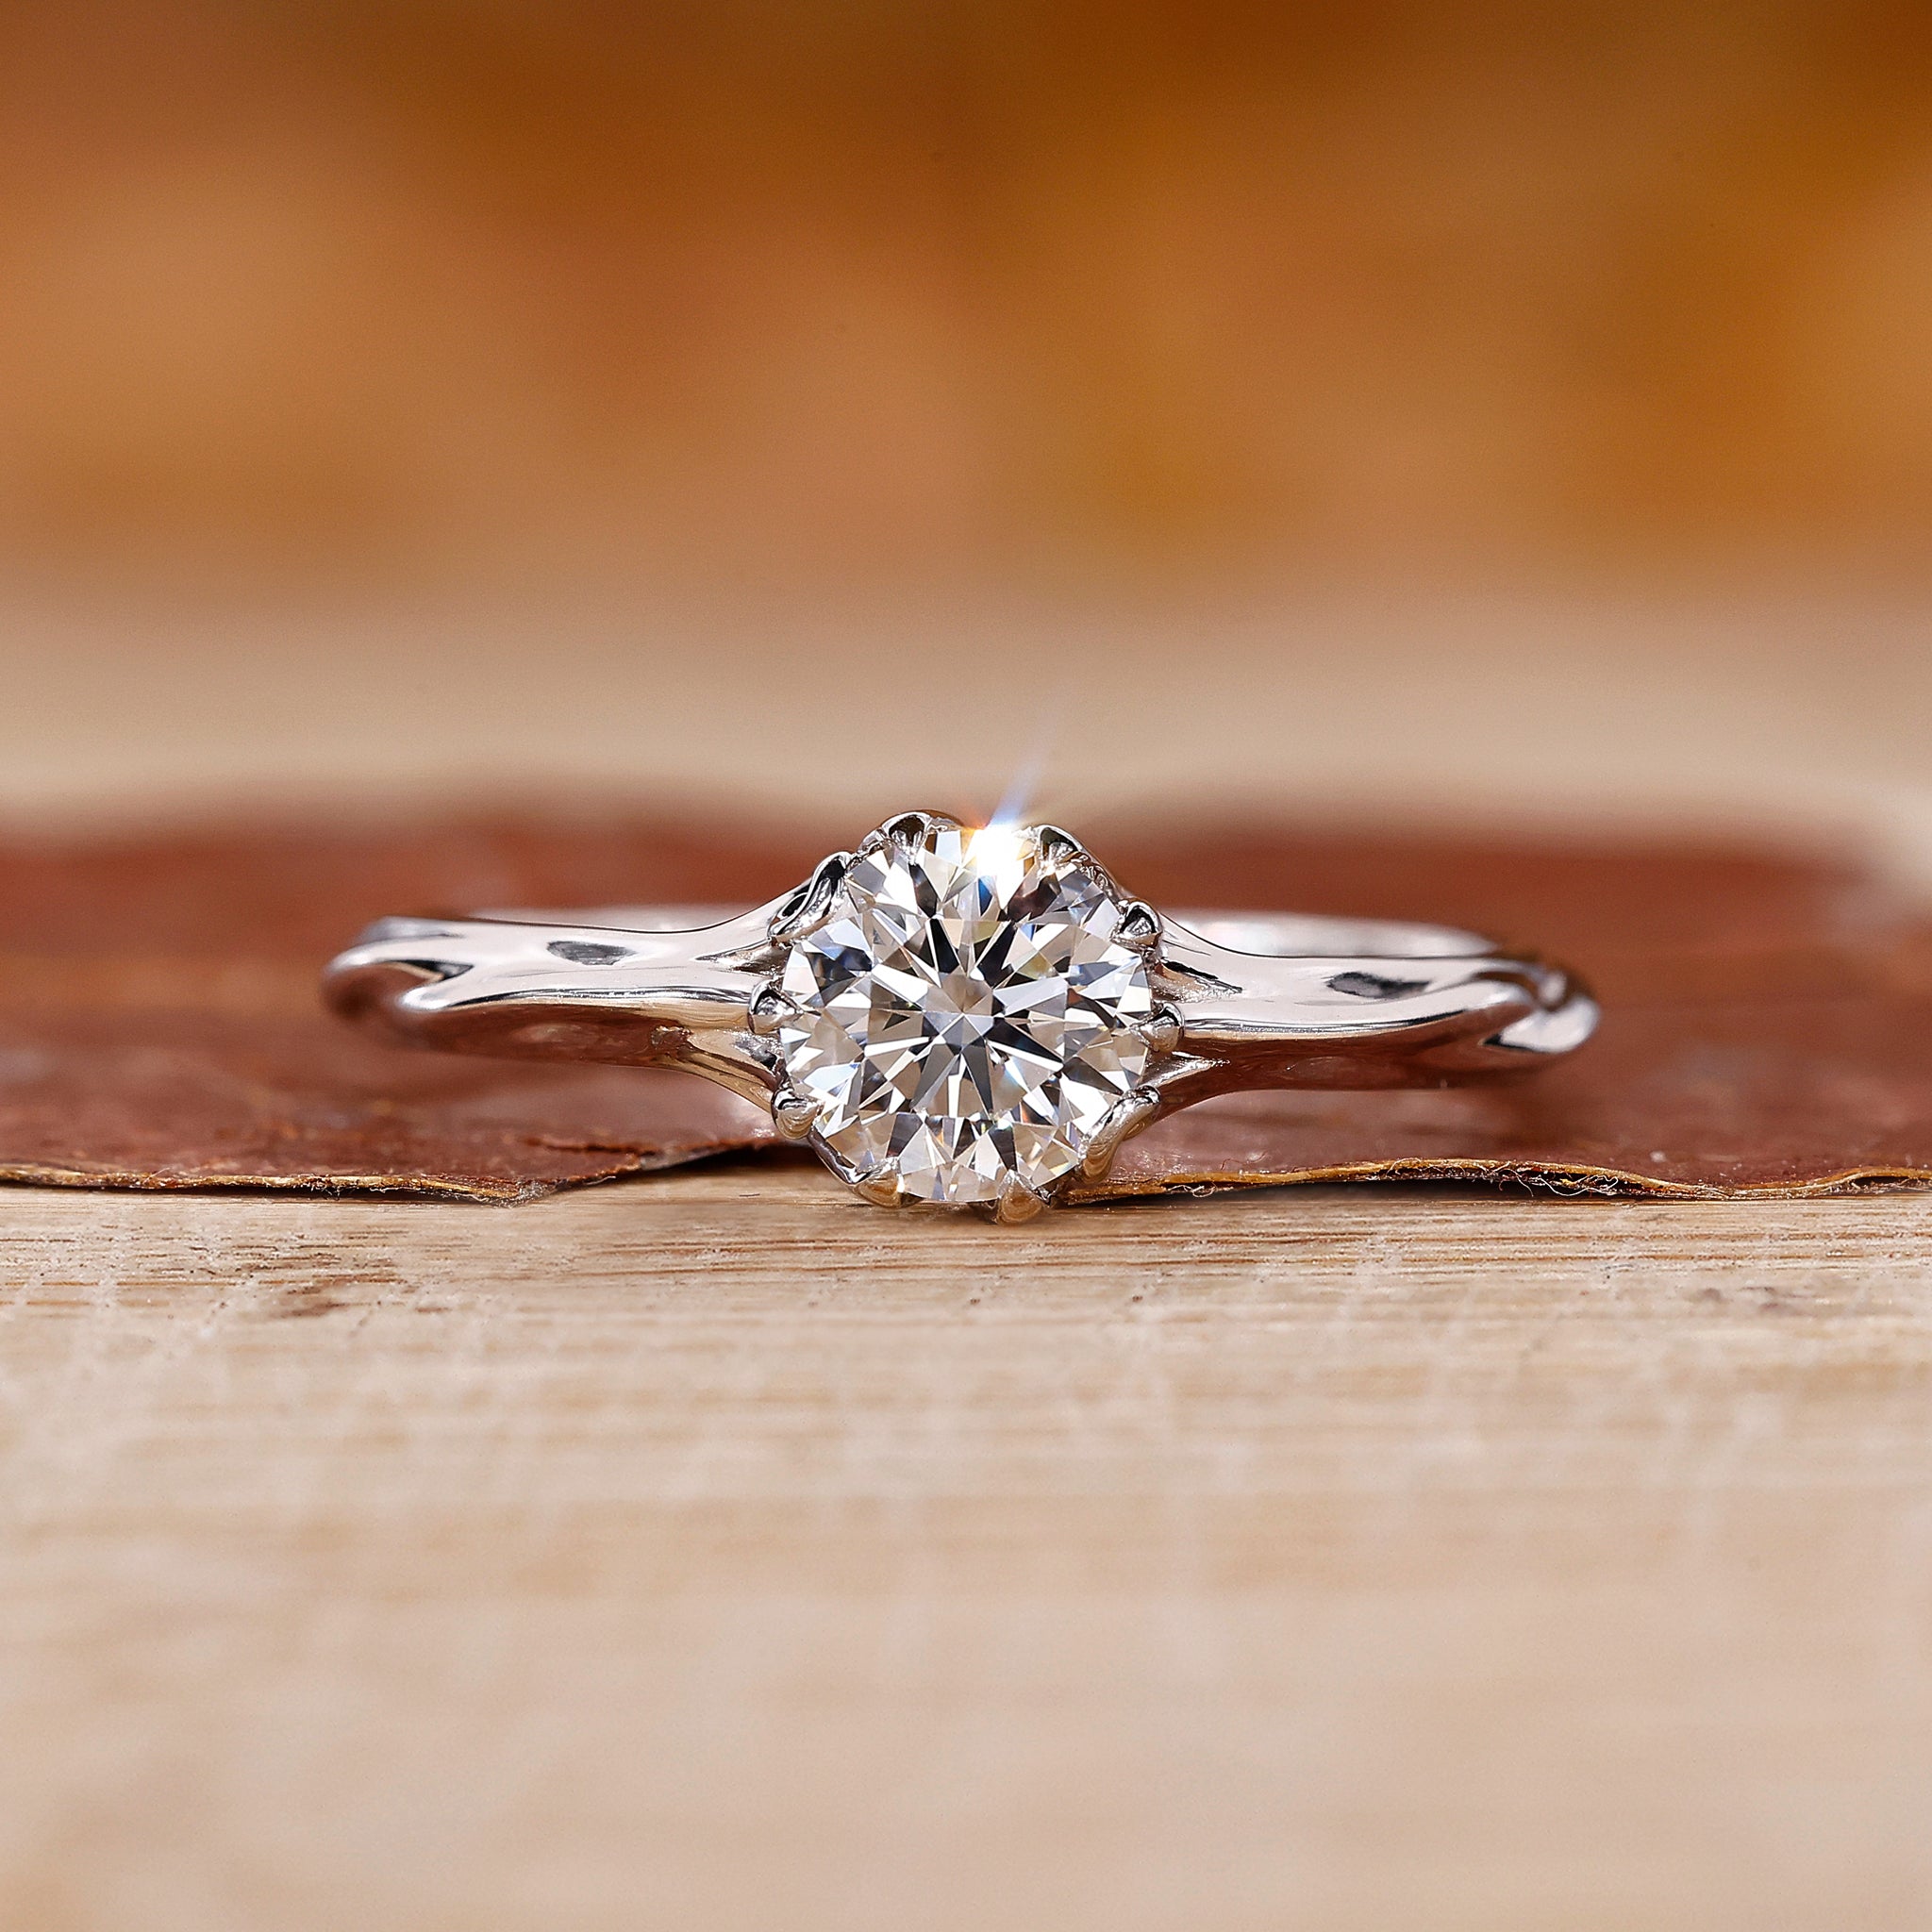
(1215,1001)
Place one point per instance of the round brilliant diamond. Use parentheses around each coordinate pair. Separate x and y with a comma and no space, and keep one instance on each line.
(966,1012)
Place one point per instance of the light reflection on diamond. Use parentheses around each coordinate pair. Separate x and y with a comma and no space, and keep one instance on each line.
(966,1012)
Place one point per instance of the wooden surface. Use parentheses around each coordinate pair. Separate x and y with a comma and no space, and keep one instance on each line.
(709,1552)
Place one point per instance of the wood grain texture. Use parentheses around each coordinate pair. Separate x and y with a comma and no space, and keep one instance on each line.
(707,1552)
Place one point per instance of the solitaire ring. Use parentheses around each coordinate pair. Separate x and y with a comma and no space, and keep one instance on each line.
(969,1016)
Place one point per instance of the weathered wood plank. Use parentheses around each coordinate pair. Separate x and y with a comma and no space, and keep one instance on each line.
(710,1552)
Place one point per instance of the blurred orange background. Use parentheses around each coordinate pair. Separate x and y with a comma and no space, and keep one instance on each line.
(508,310)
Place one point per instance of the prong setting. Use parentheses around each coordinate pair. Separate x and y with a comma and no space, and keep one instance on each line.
(805,909)
(1016,1202)
(1162,1032)
(1059,845)
(1138,1111)
(769,1009)
(904,832)
(1140,923)
(795,1115)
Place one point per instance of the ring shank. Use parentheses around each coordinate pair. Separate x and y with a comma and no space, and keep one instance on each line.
(1269,935)
(1260,999)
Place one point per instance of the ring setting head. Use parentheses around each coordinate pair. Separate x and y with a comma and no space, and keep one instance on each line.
(965,1021)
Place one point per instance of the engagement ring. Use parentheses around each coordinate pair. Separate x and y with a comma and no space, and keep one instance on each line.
(969,1016)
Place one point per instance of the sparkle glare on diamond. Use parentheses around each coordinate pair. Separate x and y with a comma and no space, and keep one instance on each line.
(966,1012)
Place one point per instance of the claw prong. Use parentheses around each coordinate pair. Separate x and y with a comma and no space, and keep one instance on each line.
(1162,1030)
(1016,1202)
(1130,1116)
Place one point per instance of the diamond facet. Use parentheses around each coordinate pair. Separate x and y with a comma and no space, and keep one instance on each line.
(966,1012)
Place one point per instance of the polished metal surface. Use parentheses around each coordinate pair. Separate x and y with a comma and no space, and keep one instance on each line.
(1247,1000)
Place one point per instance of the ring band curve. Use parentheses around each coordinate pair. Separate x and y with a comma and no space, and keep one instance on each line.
(969,1016)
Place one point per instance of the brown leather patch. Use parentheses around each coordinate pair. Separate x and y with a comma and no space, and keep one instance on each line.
(1768,1022)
